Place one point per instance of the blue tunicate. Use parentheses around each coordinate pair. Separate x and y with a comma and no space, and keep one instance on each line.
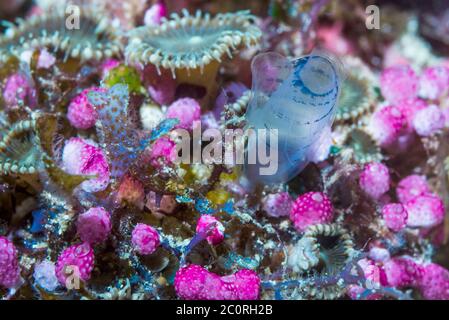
(297,99)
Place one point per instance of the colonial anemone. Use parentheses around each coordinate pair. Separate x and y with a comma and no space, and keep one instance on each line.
(18,153)
(323,251)
(232,115)
(93,38)
(357,97)
(192,42)
(364,148)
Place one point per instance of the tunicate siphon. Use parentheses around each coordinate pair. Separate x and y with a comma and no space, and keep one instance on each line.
(296,101)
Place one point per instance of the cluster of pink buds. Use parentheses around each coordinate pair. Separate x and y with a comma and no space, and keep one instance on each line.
(75,261)
(430,279)
(311,208)
(214,229)
(277,204)
(18,91)
(409,109)
(425,211)
(186,110)
(434,82)
(424,208)
(375,180)
(395,216)
(434,282)
(193,282)
(9,265)
(81,113)
(374,278)
(408,112)
(386,125)
(399,84)
(82,157)
(402,272)
(145,239)
(163,151)
(411,187)
(94,225)
(428,120)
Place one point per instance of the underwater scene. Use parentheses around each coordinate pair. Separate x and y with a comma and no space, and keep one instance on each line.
(224,150)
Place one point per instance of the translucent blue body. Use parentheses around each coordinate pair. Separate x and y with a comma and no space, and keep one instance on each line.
(298,99)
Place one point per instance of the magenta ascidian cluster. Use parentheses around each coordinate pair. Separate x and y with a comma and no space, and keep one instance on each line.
(95,202)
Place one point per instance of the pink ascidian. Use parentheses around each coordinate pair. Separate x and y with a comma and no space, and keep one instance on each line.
(425,211)
(434,82)
(163,151)
(399,83)
(402,272)
(17,91)
(186,110)
(9,265)
(386,125)
(194,282)
(428,121)
(411,187)
(94,225)
(311,208)
(277,204)
(82,157)
(395,216)
(76,260)
(409,108)
(375,180)
(145,239)
(81,113)
(375,277)
(434,282)
(213,228)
